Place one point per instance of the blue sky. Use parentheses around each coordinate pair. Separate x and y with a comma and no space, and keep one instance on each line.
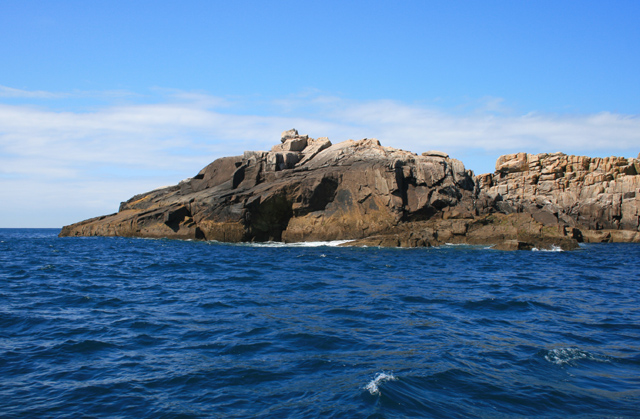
(102,100)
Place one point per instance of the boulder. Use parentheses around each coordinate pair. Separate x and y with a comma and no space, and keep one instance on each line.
(434,153)
(513,245)
(313,148)
(511,163)
(288,135)
(293,144)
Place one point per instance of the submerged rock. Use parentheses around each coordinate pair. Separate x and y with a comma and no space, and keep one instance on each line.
(308,189)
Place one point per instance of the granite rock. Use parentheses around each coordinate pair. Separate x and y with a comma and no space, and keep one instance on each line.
(321,191)
(308,189)
(572,191)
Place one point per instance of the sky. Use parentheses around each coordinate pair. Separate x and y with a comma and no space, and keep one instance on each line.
(102,100)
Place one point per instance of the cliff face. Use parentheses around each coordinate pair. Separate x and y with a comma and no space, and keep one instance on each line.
(308,189)
(600,197)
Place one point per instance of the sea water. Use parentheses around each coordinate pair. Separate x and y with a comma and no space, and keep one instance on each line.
(139,328)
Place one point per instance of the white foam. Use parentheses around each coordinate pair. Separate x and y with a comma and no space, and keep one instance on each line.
(379,379)
(332,243)
(562,356)
(554,248)
(462,246)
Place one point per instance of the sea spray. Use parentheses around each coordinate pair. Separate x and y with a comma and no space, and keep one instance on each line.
(374,385)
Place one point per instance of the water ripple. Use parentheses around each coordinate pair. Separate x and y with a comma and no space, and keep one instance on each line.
(119,327)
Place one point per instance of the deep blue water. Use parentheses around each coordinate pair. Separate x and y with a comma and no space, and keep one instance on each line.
(135,328)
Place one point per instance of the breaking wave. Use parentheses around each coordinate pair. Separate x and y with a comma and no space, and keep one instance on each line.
(374,385)
(553,248)
(333,243)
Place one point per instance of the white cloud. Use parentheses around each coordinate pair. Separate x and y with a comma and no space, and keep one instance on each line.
(10,92)
(82,160)
(412,126)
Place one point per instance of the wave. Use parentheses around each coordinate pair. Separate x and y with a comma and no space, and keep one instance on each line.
(553,248)
(185,329)
(332,243)
(80,347)
(373,385)
(563,356)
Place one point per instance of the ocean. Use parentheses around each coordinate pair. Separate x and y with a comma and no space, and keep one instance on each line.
(139,328)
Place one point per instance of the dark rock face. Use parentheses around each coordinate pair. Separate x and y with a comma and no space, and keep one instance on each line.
(517,231)
(307,189)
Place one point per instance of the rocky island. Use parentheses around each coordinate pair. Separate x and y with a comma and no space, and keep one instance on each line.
(308,189)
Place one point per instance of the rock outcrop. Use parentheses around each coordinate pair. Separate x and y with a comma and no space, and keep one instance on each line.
(303,189)
(598,197)
(308,189)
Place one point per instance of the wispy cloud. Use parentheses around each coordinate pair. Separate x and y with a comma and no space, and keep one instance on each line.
(111,152)
(9,92)
(13,93)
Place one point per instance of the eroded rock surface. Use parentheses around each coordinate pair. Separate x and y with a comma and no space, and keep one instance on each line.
(600,197)
(308,189)
(303,189)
